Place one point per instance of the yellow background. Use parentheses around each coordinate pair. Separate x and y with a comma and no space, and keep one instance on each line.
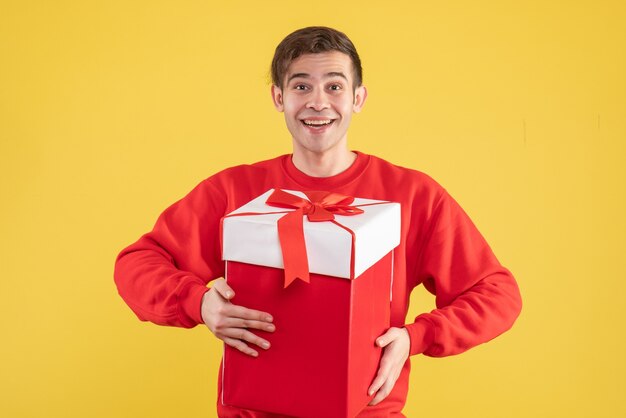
(111,111)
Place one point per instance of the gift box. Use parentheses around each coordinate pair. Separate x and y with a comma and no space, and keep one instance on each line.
(322,265)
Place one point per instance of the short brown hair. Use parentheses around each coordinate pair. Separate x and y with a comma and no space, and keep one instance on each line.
(313,40)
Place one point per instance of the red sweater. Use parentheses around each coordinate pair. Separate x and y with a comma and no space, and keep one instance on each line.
(163,276)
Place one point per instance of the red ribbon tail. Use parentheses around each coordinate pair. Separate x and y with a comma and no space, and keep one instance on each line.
(291,236)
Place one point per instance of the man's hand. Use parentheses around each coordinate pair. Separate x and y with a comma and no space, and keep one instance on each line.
(230,322)
(396,343)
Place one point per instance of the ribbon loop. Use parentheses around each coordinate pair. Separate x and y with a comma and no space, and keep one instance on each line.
(320,207)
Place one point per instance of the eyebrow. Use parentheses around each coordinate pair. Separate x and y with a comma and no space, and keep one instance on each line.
(327,75)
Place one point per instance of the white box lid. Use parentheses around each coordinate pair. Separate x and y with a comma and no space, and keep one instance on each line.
(253,239)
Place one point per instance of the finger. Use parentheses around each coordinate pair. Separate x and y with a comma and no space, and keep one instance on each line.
(387,337)
(245,335)
(237,311)
(241,346)
(382,376)
(377,383)
(383,392)
(223,289)
(248,323)
(384,370)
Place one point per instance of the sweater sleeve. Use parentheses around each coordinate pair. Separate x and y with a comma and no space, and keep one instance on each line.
(476,298)
(163,276)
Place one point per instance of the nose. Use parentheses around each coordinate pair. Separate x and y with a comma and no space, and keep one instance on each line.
(318,100)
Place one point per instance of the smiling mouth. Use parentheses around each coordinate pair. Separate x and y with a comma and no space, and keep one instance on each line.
(318,123)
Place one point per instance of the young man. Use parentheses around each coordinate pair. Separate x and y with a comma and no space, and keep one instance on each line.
(317,84)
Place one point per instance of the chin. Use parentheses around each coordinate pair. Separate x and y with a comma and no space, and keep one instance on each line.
(317,144)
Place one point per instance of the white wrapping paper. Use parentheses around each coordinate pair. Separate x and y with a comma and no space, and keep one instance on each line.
(253,239)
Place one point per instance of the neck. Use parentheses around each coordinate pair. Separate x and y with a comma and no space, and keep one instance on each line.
(323,164)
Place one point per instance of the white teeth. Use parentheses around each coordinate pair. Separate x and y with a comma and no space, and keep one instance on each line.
(317,122)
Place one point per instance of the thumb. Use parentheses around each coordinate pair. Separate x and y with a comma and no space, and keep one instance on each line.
(387,337)
(224,289)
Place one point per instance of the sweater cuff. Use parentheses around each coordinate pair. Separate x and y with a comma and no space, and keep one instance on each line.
(191,303)
(421,334)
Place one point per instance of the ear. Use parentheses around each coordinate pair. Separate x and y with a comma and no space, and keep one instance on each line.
(360,94)
(277,97)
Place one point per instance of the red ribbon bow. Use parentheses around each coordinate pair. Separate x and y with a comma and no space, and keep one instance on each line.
(321,206)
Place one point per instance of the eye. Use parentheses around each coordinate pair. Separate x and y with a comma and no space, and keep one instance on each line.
(335,87)
(299,87)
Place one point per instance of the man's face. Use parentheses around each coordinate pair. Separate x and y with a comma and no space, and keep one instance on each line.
(318,100)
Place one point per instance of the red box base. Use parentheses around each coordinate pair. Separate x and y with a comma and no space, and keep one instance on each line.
(323,356)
